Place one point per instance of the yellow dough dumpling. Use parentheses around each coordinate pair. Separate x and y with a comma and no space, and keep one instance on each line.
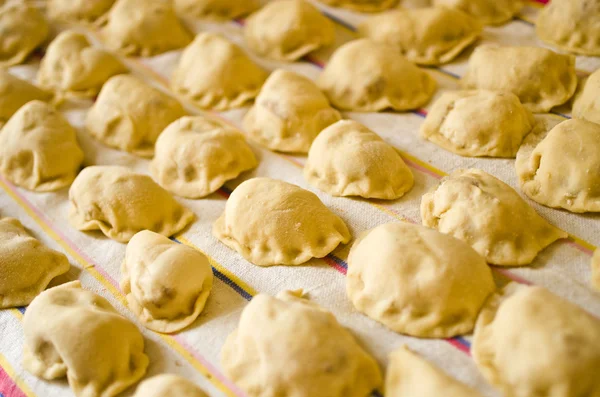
(168,385)
(489,12)
(15,93)
(216,9)
(23,29)
(26,265)
(363,5)
(78,10)
(587,102)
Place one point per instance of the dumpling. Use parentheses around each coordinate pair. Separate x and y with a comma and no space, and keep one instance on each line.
(23,29)
(144,28)
(78,10)
(348,159)
(478,123)
(587,102)
(408,374)
(217,74)
(289,113)
(426,36)
(121,203)
(417,281)
(363,5)
(596,269)
(561,168)
(530,342)
(216,9)
(325,359)
(271,222)
(130,115)
(166,284)
(489,12)
(15,93)
(540,78)
(195,156)
(75,333)
(571,25)
(366,76)
(168,385)
(286,30)
(26,265)
(39,149)
(72,66)
(489,215)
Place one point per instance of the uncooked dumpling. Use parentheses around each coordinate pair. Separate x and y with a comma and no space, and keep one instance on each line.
(478,123)
(289,113)
(571,25)
(144,28)
(78,10)
(540,78)
(561,168)
(418,281)
(529,342)
(410,375)
(489,12)
(15,93)
(216,9)
(216,74)
(195,156)
(324,359)
(72,66)
(166,385)
(121,203)
(348,159)
(489,215)
(26,265)
(130,115)
(39,149)
(166,284)
(596,269)
(286,30)
(75,333)
(363,5)
(426,36)
(587,102)
(23,29)
(366,76)
(271,222)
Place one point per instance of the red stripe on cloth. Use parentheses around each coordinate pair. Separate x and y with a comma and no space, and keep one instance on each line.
(8,388)
(541,1)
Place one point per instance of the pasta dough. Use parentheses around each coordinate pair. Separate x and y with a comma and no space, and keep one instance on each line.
(271,222)
(130,115)
(72,66)
(426,36)
(26,265)
(478,123)
(144,28)
(366,76)
(587,102)
(348,159)
(289,113)
(217,74)
(596,269)
(288,346)
(15,93)
(166,284)
(78,10)
(571,25)
(195,156)
(561,168)
(363,5)
(39,149)
(75,333)
(489,12)
(168,385)
(529,342)
(23,29)
(540,78)
(417,281)
(286,30)
(489,215)
(410,375)
(120,203)
(216,9)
